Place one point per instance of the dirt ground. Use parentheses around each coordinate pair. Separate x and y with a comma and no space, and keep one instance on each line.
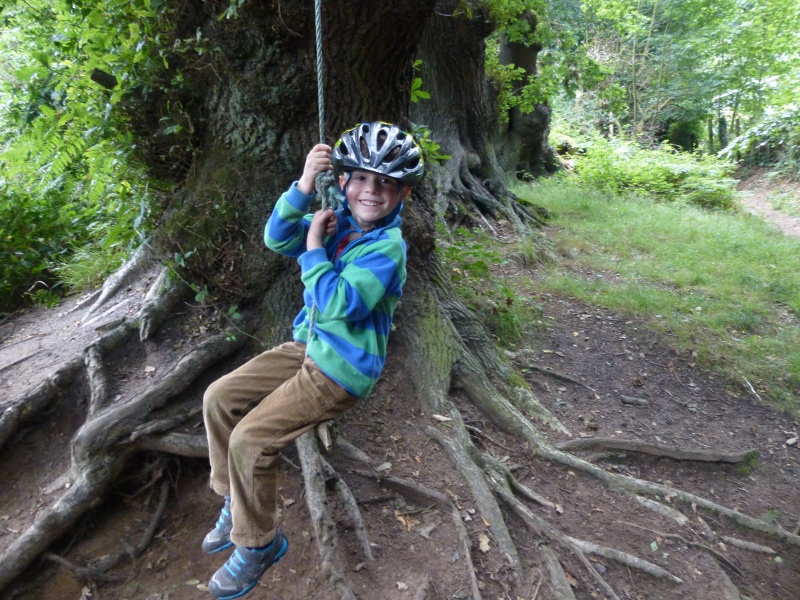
(622,381)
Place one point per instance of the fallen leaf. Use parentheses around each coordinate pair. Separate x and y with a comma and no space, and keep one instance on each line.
(402,586)
(559,509)
(791,441)
(441,418)
(572,581)
(149,369)
(384,467)
(483,543)
(654,546)
(193,582)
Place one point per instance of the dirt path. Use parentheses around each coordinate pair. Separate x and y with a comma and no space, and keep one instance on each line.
(757,191)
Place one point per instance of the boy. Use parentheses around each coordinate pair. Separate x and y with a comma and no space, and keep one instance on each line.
(353,267)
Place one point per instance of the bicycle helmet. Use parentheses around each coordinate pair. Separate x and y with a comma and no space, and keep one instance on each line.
(381,148)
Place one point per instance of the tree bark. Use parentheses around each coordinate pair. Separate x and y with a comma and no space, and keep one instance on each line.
(522,142)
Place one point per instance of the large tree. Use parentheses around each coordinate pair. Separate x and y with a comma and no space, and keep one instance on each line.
(251,107)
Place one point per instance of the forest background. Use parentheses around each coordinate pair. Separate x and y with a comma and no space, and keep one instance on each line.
(653,110)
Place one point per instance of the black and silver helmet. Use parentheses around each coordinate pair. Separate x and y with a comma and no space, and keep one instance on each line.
(382,148)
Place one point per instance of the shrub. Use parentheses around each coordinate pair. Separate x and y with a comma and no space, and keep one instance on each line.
(618,165)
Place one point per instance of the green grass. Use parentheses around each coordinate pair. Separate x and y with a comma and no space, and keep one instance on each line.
(724,284)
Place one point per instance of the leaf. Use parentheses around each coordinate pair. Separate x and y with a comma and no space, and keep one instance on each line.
(654,546)
(483,543)
(441,418)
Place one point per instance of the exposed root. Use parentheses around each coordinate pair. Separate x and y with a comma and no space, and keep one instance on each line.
(539,525)
(635,485)
(626,559)
(161,299)
(177,444)
(422,591)
(745,545)
(524,358)
(663,510)
(102,447)
(423,494)
(98,569)
(19,411)
(321,519)
(661,450)
(141,258)
(718,555)
(459,448)
(558,578)
(351,506)
(352,452)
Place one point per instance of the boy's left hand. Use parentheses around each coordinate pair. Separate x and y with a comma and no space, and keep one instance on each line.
(323,224)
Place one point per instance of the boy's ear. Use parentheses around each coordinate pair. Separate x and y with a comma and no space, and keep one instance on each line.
(342,180)
(405,192)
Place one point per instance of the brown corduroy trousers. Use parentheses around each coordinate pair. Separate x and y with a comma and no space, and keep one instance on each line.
(251,414)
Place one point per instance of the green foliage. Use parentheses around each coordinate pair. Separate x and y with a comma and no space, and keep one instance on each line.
(618,165)
(430,149)
(724,285)
(70,172)
(774,141)
(473,263)
(417,93)
(563,61)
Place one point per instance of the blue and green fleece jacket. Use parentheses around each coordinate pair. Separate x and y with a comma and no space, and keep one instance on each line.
(355,293)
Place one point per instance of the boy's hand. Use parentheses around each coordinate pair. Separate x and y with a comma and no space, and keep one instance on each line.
(323,224)
(317,161)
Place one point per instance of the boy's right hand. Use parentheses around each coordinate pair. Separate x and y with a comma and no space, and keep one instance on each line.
(317,161)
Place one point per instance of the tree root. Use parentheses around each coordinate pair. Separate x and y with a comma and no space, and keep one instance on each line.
(719,556)
(23,409)
(98,569)
(102,447)
(423,494)
(160,301)
(558,578)
(663,510)
(351,506)
(625,559)
(634,485)
(523,357)
(321,519)
(141,258)
(459,450)
(660,450)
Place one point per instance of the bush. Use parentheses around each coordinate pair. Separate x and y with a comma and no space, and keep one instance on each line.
(619,165)
(774,142)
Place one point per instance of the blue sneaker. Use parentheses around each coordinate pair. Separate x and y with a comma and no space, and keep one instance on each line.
(219,538)
(245,567)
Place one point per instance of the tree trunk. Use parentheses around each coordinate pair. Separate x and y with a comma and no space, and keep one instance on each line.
(522,136)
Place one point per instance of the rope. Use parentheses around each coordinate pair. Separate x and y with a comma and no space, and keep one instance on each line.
(320,87)
(321,109)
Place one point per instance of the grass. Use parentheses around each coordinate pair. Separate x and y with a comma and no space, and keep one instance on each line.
(724,284)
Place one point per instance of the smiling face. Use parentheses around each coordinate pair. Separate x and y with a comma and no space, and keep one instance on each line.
(372,196)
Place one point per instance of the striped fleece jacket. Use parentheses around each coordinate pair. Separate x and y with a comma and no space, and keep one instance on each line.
(355,293)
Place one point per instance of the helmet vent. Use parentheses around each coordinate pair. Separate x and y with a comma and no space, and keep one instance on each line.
(381,139)
(343,148)
(392,154)
(364,149)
